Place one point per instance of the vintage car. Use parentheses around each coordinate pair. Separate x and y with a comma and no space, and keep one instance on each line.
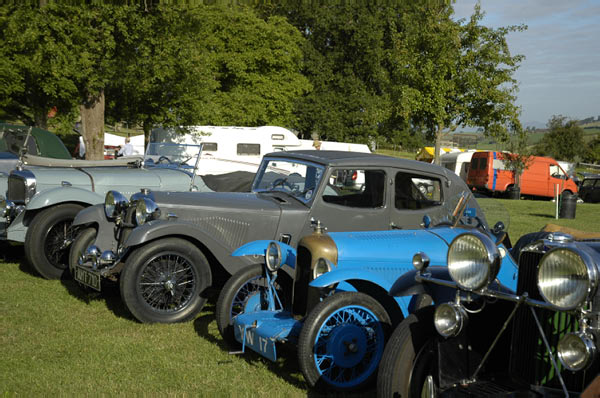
(480,339)
(341,336)
(589,187)
(45,194)
(166,249)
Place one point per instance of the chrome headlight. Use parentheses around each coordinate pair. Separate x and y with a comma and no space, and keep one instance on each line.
(323,266)
(273,257)
(114,204)
(576,351)
(146,210)
(420,261)
(449,319)
(565,279)
(473,261)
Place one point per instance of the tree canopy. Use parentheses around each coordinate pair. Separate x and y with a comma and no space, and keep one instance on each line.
(355,72)
(563,141)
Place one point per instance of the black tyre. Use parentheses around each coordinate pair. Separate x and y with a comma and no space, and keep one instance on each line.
(85,237)
(246,291)
(163,281)
(48,240)
(342,341)
(409,358)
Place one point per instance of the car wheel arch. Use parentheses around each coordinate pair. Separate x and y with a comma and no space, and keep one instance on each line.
(391,306)
(31,213)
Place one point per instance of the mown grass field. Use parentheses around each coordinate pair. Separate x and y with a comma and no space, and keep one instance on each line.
(55,340)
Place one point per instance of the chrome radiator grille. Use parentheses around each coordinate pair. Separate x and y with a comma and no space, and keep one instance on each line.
(529,358)
(17,191)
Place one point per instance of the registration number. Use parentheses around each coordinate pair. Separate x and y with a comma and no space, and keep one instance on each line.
(264,346)
(87,277)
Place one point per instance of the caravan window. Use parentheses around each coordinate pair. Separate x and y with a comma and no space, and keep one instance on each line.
(209,146)
(248,149)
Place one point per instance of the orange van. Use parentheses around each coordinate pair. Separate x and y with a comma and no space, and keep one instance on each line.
(488,173)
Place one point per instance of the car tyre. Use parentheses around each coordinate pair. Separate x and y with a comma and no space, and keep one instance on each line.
(342,341)
(164,281)
(48,237)
(409,357)
(83,240)
(243,292)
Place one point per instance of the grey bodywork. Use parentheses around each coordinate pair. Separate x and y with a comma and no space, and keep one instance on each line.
(85,183)
(218,223)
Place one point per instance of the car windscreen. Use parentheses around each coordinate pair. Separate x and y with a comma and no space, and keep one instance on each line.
(177,155)
(296,178)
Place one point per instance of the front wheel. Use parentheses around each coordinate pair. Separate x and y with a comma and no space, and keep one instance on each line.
(163,281)
(83,240)
(409,363)
(245,292)
(342,341)
(48,238)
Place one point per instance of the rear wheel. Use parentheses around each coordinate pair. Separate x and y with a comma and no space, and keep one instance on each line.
(409,363)
(342,341)
(48,240)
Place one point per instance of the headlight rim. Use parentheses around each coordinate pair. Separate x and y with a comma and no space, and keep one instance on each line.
(493,258)
(150,211)
(590,350)
(461,319)
(328,263)
(120,204)
(273,267)
(591,270)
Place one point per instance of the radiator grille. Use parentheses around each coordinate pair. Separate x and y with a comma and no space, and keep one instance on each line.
(529,358)
(16,189)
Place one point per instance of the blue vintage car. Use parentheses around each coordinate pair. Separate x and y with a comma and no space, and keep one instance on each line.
(479,339)
(340,337)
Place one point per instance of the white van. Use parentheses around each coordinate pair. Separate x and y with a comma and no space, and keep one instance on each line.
(458,162)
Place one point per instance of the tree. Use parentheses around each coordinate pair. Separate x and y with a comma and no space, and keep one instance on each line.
(449,74)
(563,141)
(518,157)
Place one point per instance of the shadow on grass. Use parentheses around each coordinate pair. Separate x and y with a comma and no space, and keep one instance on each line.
(543,215)
(110,294)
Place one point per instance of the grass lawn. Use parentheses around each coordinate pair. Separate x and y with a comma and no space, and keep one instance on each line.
(55,340)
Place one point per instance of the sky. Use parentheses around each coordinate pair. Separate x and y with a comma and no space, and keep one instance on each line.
(561,71)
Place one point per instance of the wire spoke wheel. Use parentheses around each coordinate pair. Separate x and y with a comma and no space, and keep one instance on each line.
(57,242)
(167,282)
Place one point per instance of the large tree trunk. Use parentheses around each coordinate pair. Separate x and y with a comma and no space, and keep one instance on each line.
(40,118)
(92,126)
(438,144)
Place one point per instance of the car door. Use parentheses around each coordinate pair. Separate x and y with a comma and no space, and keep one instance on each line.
(359,203)
(415,195)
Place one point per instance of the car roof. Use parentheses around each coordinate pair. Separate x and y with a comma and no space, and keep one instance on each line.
(344,158)
(590,175)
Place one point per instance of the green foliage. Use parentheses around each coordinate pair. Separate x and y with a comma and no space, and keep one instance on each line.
(563,141)
(519,156)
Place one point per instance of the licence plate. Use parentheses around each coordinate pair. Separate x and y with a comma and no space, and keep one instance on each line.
(87,277)
(262,345)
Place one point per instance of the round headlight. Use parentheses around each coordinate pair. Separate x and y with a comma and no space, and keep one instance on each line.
(420,261)
(146,210)
(114,204)
(564,278)
(473,261)
(449,319)
(323,266)
(273,257)
(576,351)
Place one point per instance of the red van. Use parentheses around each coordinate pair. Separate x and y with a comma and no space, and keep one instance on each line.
(488,173)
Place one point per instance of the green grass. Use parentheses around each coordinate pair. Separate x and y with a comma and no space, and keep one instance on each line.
(55,340)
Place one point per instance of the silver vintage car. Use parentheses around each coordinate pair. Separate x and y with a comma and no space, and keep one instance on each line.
(166,249)
(43,195)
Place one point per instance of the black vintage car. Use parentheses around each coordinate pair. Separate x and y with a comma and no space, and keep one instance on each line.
(589,187)
(539,341)
(167,248)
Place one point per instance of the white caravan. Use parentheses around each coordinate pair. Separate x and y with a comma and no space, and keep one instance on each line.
(226,148)
(458,162)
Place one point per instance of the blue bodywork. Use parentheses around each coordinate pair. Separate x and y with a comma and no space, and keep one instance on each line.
(375,257)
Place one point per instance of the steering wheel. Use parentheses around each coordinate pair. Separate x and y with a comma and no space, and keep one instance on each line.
(160,159)
(284,183)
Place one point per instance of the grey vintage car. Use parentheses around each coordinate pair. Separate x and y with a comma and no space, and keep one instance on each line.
(43,195)
(167,248)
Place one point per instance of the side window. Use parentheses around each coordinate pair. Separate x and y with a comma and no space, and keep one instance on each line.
(556,171)
(356,188)
(248,149)
(209,146)
(416,192)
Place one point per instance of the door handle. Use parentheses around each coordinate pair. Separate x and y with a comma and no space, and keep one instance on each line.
(394,226)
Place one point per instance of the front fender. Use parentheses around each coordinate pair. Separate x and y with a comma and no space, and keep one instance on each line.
(105,237)
(58,195)
(169,228)
(259,247)
(342,275)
